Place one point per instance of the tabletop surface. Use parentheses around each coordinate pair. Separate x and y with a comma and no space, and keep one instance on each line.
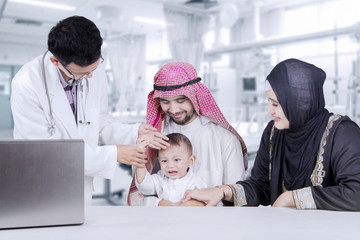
(116,222)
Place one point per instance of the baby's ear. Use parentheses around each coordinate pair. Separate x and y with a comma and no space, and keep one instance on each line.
(192,159)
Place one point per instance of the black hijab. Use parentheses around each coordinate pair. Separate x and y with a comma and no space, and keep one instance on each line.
(299,89)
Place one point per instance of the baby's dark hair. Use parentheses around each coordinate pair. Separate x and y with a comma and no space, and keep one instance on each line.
(176,139)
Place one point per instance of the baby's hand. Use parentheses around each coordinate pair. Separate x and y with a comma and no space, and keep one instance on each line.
(142,143)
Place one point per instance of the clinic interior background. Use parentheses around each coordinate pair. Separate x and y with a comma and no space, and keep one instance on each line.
(232,43)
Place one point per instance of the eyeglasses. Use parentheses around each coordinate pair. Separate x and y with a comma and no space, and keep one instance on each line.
(74,79)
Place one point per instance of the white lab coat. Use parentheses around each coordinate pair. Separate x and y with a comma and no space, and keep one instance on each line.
(30,110)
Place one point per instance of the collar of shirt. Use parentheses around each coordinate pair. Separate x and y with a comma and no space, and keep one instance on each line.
(200,120)
(70,96)
(178,180)
(62,80)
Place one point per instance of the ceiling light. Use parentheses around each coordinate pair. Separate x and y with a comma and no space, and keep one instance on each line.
(150,21)
(45,4)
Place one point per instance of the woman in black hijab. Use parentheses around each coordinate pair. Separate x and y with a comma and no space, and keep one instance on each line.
(308,158)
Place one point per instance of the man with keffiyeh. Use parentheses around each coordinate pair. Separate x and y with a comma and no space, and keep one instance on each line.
(181,103)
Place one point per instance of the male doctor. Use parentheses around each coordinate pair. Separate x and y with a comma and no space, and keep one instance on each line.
(63,95)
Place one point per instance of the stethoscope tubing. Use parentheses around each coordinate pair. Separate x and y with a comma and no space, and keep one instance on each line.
(51,115)
(52,121)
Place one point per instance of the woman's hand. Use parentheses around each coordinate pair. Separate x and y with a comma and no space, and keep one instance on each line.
(210,196)
(285,200)
(152,137)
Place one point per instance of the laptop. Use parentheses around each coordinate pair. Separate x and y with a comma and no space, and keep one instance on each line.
(41,183)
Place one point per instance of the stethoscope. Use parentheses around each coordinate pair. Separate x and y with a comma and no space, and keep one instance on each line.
(83,90)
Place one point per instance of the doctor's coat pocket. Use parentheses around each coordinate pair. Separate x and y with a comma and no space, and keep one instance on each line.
(91,130)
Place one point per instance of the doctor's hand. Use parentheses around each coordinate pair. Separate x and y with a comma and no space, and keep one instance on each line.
(131,155)
(152,136)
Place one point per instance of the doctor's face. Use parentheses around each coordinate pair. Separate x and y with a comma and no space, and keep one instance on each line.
(276,111)
(179,109)
(73,71)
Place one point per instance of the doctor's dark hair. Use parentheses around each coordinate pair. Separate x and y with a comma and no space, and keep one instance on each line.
(178,139)
(75,39)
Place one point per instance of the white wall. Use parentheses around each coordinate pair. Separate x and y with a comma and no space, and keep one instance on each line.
(15,54)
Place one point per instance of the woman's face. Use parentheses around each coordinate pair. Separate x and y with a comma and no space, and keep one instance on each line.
(276,111)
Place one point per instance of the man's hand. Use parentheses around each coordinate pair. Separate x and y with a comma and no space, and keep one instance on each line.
(166,203)
(131,155)
(190,203)
(285,200)
(152,137)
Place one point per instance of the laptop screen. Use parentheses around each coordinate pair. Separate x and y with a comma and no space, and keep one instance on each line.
(41,183)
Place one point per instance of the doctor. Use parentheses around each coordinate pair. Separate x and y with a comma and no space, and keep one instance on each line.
(63,95)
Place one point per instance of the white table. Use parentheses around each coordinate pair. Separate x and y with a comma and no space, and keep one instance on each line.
(200,223)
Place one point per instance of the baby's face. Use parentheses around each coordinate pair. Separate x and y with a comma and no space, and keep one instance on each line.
(174,161)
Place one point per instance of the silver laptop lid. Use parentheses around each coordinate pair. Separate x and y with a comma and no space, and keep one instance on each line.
(41,183)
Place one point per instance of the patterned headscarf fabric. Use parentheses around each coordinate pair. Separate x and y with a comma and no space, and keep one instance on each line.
(179,78)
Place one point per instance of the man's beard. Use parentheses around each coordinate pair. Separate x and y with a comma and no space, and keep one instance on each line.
(185,120)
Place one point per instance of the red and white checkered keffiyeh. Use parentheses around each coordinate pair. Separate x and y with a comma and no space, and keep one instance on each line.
(172,75)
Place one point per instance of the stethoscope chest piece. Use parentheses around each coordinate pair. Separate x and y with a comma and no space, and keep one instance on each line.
(83,122)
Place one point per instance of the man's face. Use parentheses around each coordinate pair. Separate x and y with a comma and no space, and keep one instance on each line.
(179,109)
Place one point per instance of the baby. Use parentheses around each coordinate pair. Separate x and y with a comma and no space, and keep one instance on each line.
(175,176)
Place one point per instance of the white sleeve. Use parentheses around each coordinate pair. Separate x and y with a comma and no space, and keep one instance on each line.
(113,132)
(148,185)
(101,161)
(234,169)
(151,201)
